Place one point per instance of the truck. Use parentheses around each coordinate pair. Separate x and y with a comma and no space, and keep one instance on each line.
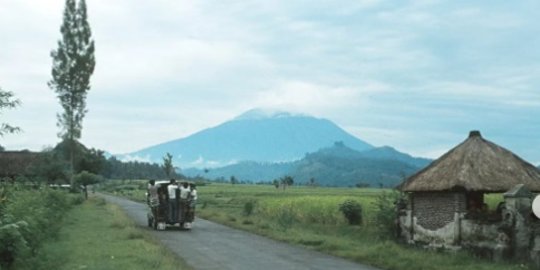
(159,211)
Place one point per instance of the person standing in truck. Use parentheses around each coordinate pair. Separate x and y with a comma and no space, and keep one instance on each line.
(192,202)
(153,198)
(184,196)
(173,203)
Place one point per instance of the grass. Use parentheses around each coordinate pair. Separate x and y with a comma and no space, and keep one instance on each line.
(310,217)
(97,235)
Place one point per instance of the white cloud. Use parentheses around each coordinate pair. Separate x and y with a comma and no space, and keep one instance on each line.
(302,96)
(383,70)
(136,158)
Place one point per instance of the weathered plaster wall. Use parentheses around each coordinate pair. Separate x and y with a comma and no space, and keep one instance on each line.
(439,219)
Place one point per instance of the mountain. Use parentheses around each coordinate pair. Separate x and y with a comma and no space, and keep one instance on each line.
(389,153)
(256,135)
(249,171)
(342,166)
(337,165)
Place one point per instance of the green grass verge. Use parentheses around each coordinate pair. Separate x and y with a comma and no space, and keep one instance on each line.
(97,235)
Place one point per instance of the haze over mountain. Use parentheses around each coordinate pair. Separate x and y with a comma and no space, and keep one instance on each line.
(337,165)
(257,135)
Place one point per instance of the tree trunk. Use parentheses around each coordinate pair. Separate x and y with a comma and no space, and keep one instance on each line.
(71,178)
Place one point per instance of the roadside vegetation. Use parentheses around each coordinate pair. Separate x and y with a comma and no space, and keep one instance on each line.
(29,216)
(317,219)
(43,228)
(98,235)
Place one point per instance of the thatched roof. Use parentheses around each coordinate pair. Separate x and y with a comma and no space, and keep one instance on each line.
(15,163)
(475,165)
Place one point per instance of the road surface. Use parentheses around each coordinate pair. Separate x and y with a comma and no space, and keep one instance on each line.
(212,246)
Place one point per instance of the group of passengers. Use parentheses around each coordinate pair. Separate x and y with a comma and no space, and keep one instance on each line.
(181,198)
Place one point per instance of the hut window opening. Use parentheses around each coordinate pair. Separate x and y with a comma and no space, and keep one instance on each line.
(475,202)
(476,207)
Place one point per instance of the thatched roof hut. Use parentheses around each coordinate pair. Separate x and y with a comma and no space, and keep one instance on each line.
(14,163)
(476,165)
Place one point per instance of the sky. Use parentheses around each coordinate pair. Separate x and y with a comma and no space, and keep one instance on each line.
(415,75)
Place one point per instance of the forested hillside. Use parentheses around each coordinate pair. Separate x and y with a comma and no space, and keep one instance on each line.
(337,165)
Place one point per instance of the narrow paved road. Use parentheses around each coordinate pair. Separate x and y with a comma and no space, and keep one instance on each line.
(214,246)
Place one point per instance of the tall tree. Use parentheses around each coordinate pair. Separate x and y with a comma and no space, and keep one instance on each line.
(168,165)
(287,181)
(85,179)
(7,102)
(73,65)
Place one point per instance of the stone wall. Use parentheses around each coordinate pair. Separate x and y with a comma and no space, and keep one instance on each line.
(434,210)
(439,219)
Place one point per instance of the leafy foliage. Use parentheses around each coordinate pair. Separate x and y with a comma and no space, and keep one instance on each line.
(52,165)
(7,102)
(168,165)
(116,169)
(27,217)
(49,169)
(86,178)
(286,181)
(385,213)
(73,64)
(249,206)
(352,210)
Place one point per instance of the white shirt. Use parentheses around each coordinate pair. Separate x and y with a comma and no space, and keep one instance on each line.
(194,194)
(184,192)
(172,191)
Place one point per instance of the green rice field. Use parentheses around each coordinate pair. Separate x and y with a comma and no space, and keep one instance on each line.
(310,217)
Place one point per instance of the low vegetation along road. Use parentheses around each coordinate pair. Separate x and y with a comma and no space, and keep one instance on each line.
(213,246)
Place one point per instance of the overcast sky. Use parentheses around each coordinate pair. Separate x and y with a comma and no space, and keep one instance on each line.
(416,75)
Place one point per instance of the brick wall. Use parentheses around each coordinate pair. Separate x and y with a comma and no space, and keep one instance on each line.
(434,210)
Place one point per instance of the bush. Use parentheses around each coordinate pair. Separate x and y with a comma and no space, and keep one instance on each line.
(352,210)
(14,244)
(249,207)
(28,217)
(385,213)
(286,217)
(76,199)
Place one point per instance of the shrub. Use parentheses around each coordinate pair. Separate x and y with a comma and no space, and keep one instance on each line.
(286,217)
(385,213)
(14,245)
(28,217)
(76,200)
(249,206)
(352,210)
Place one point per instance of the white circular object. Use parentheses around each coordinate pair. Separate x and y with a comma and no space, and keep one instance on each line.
(536,206)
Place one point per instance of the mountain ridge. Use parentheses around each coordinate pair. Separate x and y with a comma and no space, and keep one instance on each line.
(337,165)
(252,136)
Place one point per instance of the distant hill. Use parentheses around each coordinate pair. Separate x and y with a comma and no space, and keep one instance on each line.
(249,171)
(256,135)
(337,165)
(342,166)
